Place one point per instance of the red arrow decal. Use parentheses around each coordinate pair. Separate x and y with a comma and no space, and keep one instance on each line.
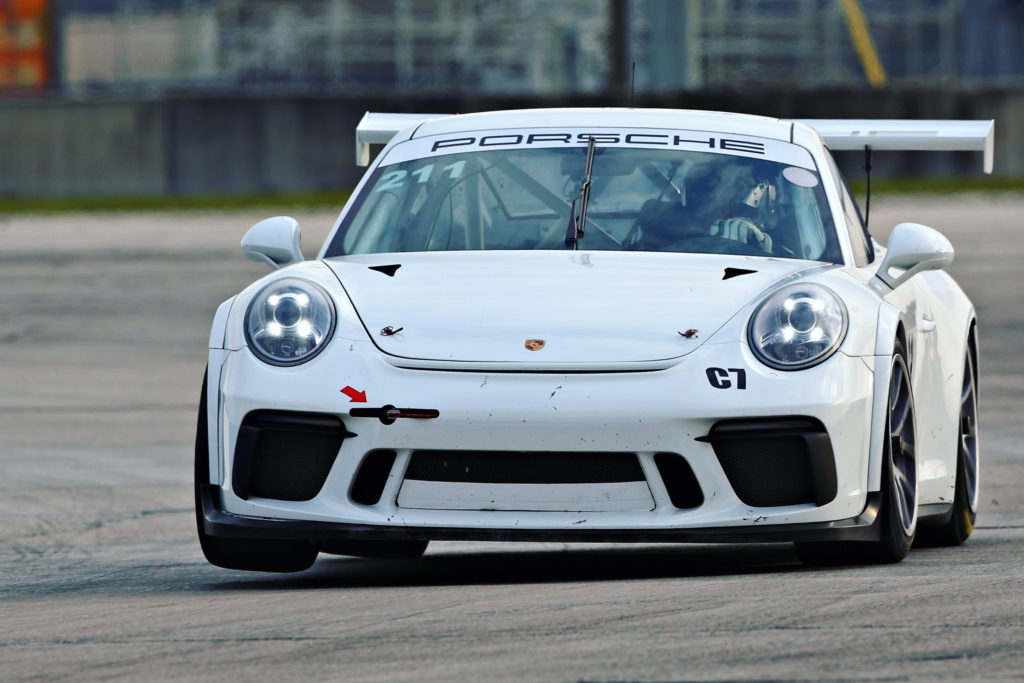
(354,396)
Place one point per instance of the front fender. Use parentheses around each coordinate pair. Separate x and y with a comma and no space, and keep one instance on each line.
(214,366)
(218,331)
(886,330)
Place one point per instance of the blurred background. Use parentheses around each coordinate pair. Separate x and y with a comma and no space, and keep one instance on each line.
(242,97)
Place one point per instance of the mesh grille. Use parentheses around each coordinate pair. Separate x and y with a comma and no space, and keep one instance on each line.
(290,466)
(519,467)
(770,473)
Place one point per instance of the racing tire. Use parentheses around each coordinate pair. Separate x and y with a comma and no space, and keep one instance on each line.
(239,553)
(381,550)
(960,524)
(897,515)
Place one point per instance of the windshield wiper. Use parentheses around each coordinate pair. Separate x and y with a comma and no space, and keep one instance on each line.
(577,222)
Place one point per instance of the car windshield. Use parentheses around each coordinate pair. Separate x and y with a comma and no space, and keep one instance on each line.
(511,190)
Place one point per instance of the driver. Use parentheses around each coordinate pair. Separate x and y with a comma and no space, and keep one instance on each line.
(727,197)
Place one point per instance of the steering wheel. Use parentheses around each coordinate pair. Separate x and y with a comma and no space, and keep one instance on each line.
(716,244)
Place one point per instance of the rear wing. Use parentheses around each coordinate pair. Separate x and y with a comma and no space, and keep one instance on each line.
(838,134)
(906,135)
(378,129)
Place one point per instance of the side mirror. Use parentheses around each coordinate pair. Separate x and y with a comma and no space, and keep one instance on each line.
(274,241)
(913,248)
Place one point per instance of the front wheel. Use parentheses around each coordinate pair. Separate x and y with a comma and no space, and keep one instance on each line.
(897,516)
(965,497)
(239,553)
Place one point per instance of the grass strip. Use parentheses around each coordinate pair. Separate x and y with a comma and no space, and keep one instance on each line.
(942,185)
(335,199)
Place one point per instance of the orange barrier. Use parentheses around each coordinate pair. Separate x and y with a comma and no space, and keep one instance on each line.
(24,42)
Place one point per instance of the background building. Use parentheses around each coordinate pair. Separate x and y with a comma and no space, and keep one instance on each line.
(529,47)
(134,96)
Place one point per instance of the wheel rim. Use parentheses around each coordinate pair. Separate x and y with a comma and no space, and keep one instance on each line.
(969,432)
(902,446)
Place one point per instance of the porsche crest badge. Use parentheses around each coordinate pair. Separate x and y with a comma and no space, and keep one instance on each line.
(534,344)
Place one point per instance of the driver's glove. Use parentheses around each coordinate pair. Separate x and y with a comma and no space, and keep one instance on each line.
(742,230)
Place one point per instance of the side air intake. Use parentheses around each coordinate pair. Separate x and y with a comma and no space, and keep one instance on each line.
(776,461)
(285,455)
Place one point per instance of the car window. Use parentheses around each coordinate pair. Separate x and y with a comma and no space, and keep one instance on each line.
(646,198)
(863,248)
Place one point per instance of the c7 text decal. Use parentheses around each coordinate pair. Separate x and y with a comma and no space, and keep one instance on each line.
(719,378)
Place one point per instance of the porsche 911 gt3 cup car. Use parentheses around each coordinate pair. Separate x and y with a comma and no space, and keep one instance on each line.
(595,325)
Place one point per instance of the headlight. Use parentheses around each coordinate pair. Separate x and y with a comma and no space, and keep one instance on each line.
(289,322)
(797,326)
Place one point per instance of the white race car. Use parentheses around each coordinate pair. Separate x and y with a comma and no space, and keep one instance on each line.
(595,325)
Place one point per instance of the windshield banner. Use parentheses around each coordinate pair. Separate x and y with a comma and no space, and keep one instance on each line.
(647,138)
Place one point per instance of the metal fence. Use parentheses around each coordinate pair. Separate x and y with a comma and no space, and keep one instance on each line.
(529,47)
(739,44)
(440,46)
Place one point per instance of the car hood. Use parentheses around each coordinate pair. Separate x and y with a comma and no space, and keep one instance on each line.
(581,308)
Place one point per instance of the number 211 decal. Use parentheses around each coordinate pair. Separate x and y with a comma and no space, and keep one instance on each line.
(395,179)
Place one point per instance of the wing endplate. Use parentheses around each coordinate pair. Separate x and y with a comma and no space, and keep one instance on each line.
(907,135)
(378,129)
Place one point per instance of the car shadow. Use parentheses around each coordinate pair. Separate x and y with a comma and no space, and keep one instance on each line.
(560,564)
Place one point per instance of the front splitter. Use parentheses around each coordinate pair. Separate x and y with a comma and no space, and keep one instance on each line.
(216,522)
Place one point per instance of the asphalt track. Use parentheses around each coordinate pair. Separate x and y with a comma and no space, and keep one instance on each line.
(103,325)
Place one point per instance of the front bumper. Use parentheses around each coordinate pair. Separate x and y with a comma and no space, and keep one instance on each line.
(645,413)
